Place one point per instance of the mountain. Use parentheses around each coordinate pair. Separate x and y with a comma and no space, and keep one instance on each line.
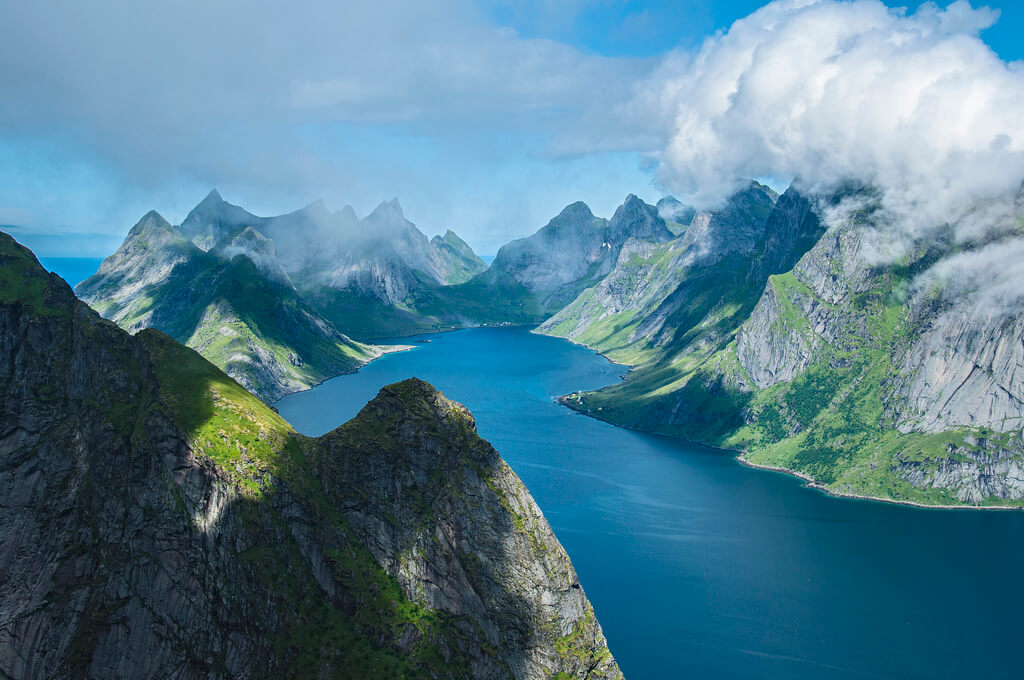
(234,304)
(460,263)
(888,379)
(532,278)
(658,291)
(160,521)
(677,215)
(368,276)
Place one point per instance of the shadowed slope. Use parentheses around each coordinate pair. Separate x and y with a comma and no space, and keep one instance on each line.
(160,521)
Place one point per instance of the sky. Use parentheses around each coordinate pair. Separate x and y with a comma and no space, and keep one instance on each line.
(489,116)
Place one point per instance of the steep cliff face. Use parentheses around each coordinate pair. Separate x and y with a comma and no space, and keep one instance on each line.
(966,369)
(242,313)
(162,522)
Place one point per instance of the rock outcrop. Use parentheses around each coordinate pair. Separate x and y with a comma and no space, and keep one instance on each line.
(160,521)
(640,304)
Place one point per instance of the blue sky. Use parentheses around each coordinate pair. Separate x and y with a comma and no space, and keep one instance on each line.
(485,117)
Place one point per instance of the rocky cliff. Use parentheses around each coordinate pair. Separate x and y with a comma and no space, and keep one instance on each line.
(159,521)
(234,304)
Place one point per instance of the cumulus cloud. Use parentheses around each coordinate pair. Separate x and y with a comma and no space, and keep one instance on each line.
(828,91)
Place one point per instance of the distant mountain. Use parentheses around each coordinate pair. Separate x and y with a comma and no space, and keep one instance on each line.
(536,276)
(368,276)
(160,521)
(797,345)
(234,304)
(656,288)
(459,262)
(677,215)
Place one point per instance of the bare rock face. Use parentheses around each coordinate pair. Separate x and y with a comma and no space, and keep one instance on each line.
(966,370)
(774,344)
(161,522)
(977,471)
(654,284)
(454,525)
(575,250)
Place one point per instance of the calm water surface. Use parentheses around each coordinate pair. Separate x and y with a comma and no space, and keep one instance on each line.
(701,568)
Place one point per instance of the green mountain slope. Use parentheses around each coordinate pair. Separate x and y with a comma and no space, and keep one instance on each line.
(163,522)
(248,321)
(851,372)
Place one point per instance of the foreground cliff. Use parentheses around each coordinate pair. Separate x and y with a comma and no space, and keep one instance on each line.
(160,521)
(891,379)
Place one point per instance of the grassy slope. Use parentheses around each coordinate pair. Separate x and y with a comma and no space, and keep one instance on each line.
(222,309)
(262,456)
(829,423)
(483,300)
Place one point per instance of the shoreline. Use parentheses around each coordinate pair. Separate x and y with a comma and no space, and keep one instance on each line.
(384,350)
(739,455)
(586,346)
(812,483)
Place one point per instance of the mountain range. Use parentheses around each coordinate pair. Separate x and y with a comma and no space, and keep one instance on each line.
(765,325)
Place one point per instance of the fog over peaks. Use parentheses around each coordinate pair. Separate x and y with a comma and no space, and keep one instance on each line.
(914,104)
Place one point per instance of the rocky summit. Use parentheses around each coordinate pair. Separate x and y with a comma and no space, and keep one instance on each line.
(160,521)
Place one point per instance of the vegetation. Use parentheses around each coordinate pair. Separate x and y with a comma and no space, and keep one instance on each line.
(265,459)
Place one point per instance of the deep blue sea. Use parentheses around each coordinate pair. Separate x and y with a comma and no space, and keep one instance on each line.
(74,270)
(701,568)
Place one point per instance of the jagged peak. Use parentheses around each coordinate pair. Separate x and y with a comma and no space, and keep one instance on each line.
(213,197)
(632,204)
(451,237)
(317,207)
(348,214)
(577,209)
(150,221)
(390,208)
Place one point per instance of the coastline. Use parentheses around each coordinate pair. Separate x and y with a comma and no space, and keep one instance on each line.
(812,483)
(383,349)
(584,345)
(740,456)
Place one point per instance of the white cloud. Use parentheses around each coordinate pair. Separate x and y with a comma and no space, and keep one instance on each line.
(827,91)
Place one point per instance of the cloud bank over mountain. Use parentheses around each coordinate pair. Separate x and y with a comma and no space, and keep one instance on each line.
(913,103)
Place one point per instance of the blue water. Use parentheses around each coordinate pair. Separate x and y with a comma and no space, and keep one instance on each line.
(74,270)
(701,568)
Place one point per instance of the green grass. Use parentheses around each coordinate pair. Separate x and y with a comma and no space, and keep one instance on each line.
(23,281)
(263,456)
